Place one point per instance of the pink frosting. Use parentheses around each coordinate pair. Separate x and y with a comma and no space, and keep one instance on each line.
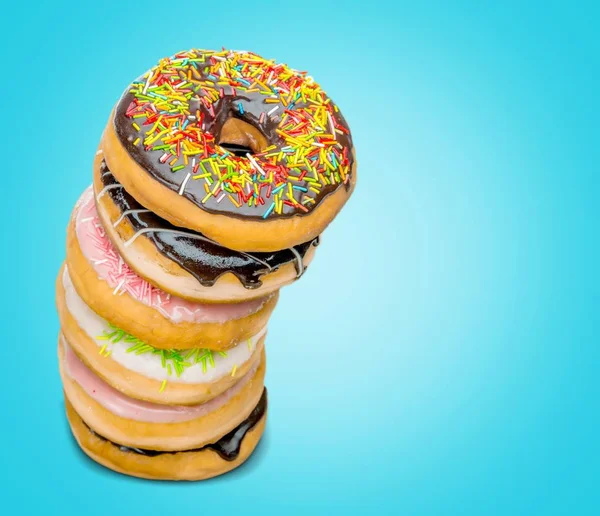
(110,267)
(137,410)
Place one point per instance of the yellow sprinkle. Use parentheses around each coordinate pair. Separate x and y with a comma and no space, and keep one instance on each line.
(291,138)
(162,386)
(328,164)
(214,167)
(137,140)
(102,349)
(135,126)
(236,204)
(155,126)
(156,137)
(234,370)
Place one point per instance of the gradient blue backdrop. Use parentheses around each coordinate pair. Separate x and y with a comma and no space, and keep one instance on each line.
(451,361)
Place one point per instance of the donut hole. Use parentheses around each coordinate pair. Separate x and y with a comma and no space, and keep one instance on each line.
(241,138)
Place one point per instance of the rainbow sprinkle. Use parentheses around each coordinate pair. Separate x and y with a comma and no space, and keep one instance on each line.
(171,106)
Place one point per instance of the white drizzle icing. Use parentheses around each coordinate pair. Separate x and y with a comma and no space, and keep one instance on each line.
(128,212)
(106,189)
(158,230)
(299,260)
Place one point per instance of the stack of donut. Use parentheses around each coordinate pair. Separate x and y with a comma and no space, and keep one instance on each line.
(215,176)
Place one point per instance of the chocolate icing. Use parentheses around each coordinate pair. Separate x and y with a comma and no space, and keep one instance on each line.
(228,446)
(203,258)
(254,105)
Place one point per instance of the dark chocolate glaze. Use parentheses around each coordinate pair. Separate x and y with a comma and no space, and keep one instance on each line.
(228,447)
(254,105)
(203,258)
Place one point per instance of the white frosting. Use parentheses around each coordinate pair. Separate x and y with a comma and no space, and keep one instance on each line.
(148,364)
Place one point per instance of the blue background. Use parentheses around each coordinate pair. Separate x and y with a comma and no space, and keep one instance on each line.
(451,360)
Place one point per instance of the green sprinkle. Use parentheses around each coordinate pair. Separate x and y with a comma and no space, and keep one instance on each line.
(172,360)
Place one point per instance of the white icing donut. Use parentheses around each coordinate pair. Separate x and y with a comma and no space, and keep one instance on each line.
(149,364)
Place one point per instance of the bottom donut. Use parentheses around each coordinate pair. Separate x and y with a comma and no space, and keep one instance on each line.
(229,452)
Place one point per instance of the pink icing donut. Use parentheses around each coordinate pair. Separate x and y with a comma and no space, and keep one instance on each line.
(99,251)
(129,408)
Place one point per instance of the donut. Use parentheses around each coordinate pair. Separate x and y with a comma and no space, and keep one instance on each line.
(212,183)
(185,263)
(169,442)
(140,424)
(114,291)
(227,453)
(140,371)
(246,151)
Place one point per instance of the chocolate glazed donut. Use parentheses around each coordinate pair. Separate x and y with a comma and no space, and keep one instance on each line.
(254,144)
(228,446)
(204,259)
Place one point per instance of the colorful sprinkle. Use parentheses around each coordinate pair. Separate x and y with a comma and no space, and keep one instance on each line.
(175,101)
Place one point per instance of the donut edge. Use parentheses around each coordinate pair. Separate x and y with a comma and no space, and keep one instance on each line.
(232,232)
